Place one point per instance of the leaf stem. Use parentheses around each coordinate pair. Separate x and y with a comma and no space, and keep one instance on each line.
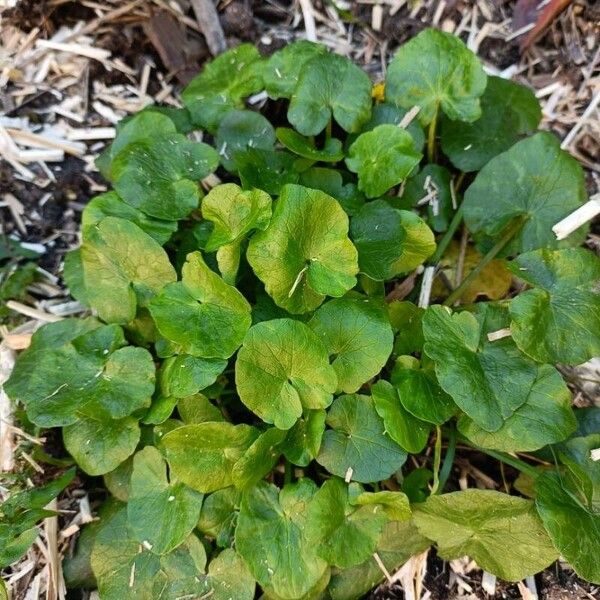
(431,139)
(328,130)
(437,459)
(447,238)
(492,253)
(288,473)
(448,460)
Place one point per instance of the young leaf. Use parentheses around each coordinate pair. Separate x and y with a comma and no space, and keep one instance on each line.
(332,183)
(545,418)
(577,455)
(268,170)
(382,158)
(240,130)
(223,84)
(259,459)
(273,537)
(198,409)
(502,533)
(534,180)
(404,428)
(218,516)
(123,267)
(234,213)
(509,111)
(345,535)
(100,446)
(67,373)
(281,369)
(202,455)
(160,513)
(283,68)
(182,376)
(406,319)
(358,337)
(160,176)
(434,71)
(302,146)
(304,254)
(303,441)
(201,314)
(357,445)
(111,205)
(488,380)
(126,570)
(330,86)
(559,319)
(395,505)
(389,241)
(419,391)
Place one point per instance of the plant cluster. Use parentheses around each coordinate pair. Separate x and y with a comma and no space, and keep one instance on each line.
(251,386)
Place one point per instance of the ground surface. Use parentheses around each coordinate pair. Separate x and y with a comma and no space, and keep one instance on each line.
(70,70)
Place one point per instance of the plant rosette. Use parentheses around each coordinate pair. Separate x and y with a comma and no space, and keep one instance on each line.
(247,381)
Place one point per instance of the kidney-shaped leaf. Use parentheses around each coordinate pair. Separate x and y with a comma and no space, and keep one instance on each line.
(559,319)
(358,337)
(282,369)
(182,376)
(382,158)
(534,180)
(234,213)
(329,86)
(345,535)
(488,380)
(76,368)
(202,455)
(390,241)
(161,513)
(508,112)
(502,533)
(273,537)
(123,267)
(202,315)
(305,253)
(357,446)
(436,70)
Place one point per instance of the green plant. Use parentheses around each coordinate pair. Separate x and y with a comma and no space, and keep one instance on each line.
(249,387)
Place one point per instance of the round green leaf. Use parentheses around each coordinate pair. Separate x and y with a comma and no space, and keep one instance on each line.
(329,86)
(273,536)
(534,180)
(160,176)
(383,158)
(436,70)
(331,182)
(545,418)
(126,570)
(386,112)
(502,533)
(282,368)
(259,459)
(229,578)
(559,319)
(184,375)
(268,170)
(488,380)
(123,267)
(223,84)
(509,111)
(304,254)
(234,213)
(357,445)
(218,516)
(283,68)
(202,315)
(345,535)
(161,513)
(574,528)
(239,130)
(404,428)
(390,241)
(303,440)
(101,446)
(111,205)
(67,373)
(202,455)
(198,409)
(305,147)
(395,505)
(358,337)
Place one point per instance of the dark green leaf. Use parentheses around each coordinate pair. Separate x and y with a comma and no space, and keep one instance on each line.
(305,147)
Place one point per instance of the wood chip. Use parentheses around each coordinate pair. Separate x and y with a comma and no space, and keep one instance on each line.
(577,218)
(210,25)
(382,567)
(500,334)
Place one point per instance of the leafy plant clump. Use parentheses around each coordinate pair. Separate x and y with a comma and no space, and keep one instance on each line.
(262,356)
